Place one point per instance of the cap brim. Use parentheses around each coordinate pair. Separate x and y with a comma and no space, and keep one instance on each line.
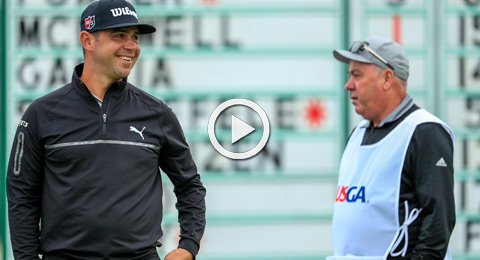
(142,28)
(347,56)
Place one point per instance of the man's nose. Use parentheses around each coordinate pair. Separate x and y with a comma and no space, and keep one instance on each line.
(130,44)
(349,85)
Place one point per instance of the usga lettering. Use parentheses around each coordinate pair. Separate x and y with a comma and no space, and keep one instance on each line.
(350,194)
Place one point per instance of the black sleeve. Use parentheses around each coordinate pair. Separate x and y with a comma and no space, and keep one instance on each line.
(431,151)
(24,187)
(177,162)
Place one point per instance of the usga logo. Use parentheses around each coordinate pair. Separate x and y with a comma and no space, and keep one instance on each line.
(350,194)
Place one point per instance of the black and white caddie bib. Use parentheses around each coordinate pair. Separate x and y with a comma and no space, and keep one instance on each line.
(365,216)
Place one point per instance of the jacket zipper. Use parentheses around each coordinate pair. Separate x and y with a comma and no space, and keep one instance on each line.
(104,115)
(104,126)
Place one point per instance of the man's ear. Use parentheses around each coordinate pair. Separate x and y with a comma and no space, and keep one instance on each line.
(388,77)
(87,40)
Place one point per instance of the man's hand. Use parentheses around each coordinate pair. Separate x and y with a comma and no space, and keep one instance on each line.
(179,254)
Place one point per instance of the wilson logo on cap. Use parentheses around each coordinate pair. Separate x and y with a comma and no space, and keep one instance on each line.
(89,22)
(123,11)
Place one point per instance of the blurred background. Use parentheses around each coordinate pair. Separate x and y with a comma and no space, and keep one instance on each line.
(277,53)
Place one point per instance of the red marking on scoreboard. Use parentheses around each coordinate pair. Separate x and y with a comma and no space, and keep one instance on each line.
(397,28)
(315,113)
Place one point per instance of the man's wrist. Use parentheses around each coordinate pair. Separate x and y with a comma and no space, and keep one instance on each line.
(189,245)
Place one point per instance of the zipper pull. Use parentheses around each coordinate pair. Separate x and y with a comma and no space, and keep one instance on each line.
(104,125)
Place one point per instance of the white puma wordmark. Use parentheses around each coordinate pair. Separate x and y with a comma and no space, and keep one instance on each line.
(133,129)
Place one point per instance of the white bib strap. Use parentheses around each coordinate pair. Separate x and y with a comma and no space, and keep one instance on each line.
(409,218)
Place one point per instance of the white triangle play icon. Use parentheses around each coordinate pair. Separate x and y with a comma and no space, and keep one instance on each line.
(240,129)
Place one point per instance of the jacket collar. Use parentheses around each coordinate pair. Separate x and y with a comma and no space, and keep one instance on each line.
(117,88)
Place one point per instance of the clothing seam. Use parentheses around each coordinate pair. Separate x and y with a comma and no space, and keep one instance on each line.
(136,91)
(100,141)
(443,127)
(50,109)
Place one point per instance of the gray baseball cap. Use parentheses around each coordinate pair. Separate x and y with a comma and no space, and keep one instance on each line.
(380,51)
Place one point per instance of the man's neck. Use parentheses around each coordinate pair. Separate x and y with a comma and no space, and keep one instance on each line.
(96,84)
(394,110)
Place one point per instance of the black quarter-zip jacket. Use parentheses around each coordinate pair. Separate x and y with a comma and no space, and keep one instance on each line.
(91,175)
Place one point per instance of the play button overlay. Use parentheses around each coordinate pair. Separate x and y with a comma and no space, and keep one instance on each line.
(240,129)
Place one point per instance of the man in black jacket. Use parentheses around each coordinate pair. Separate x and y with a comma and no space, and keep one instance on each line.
(395,189)
(83,180)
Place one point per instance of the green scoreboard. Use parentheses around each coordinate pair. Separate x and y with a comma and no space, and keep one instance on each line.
(277,53)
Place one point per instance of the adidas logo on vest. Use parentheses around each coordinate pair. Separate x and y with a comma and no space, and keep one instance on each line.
(441,163)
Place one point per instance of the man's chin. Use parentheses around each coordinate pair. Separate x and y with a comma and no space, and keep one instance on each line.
(124,73)
(359,111)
